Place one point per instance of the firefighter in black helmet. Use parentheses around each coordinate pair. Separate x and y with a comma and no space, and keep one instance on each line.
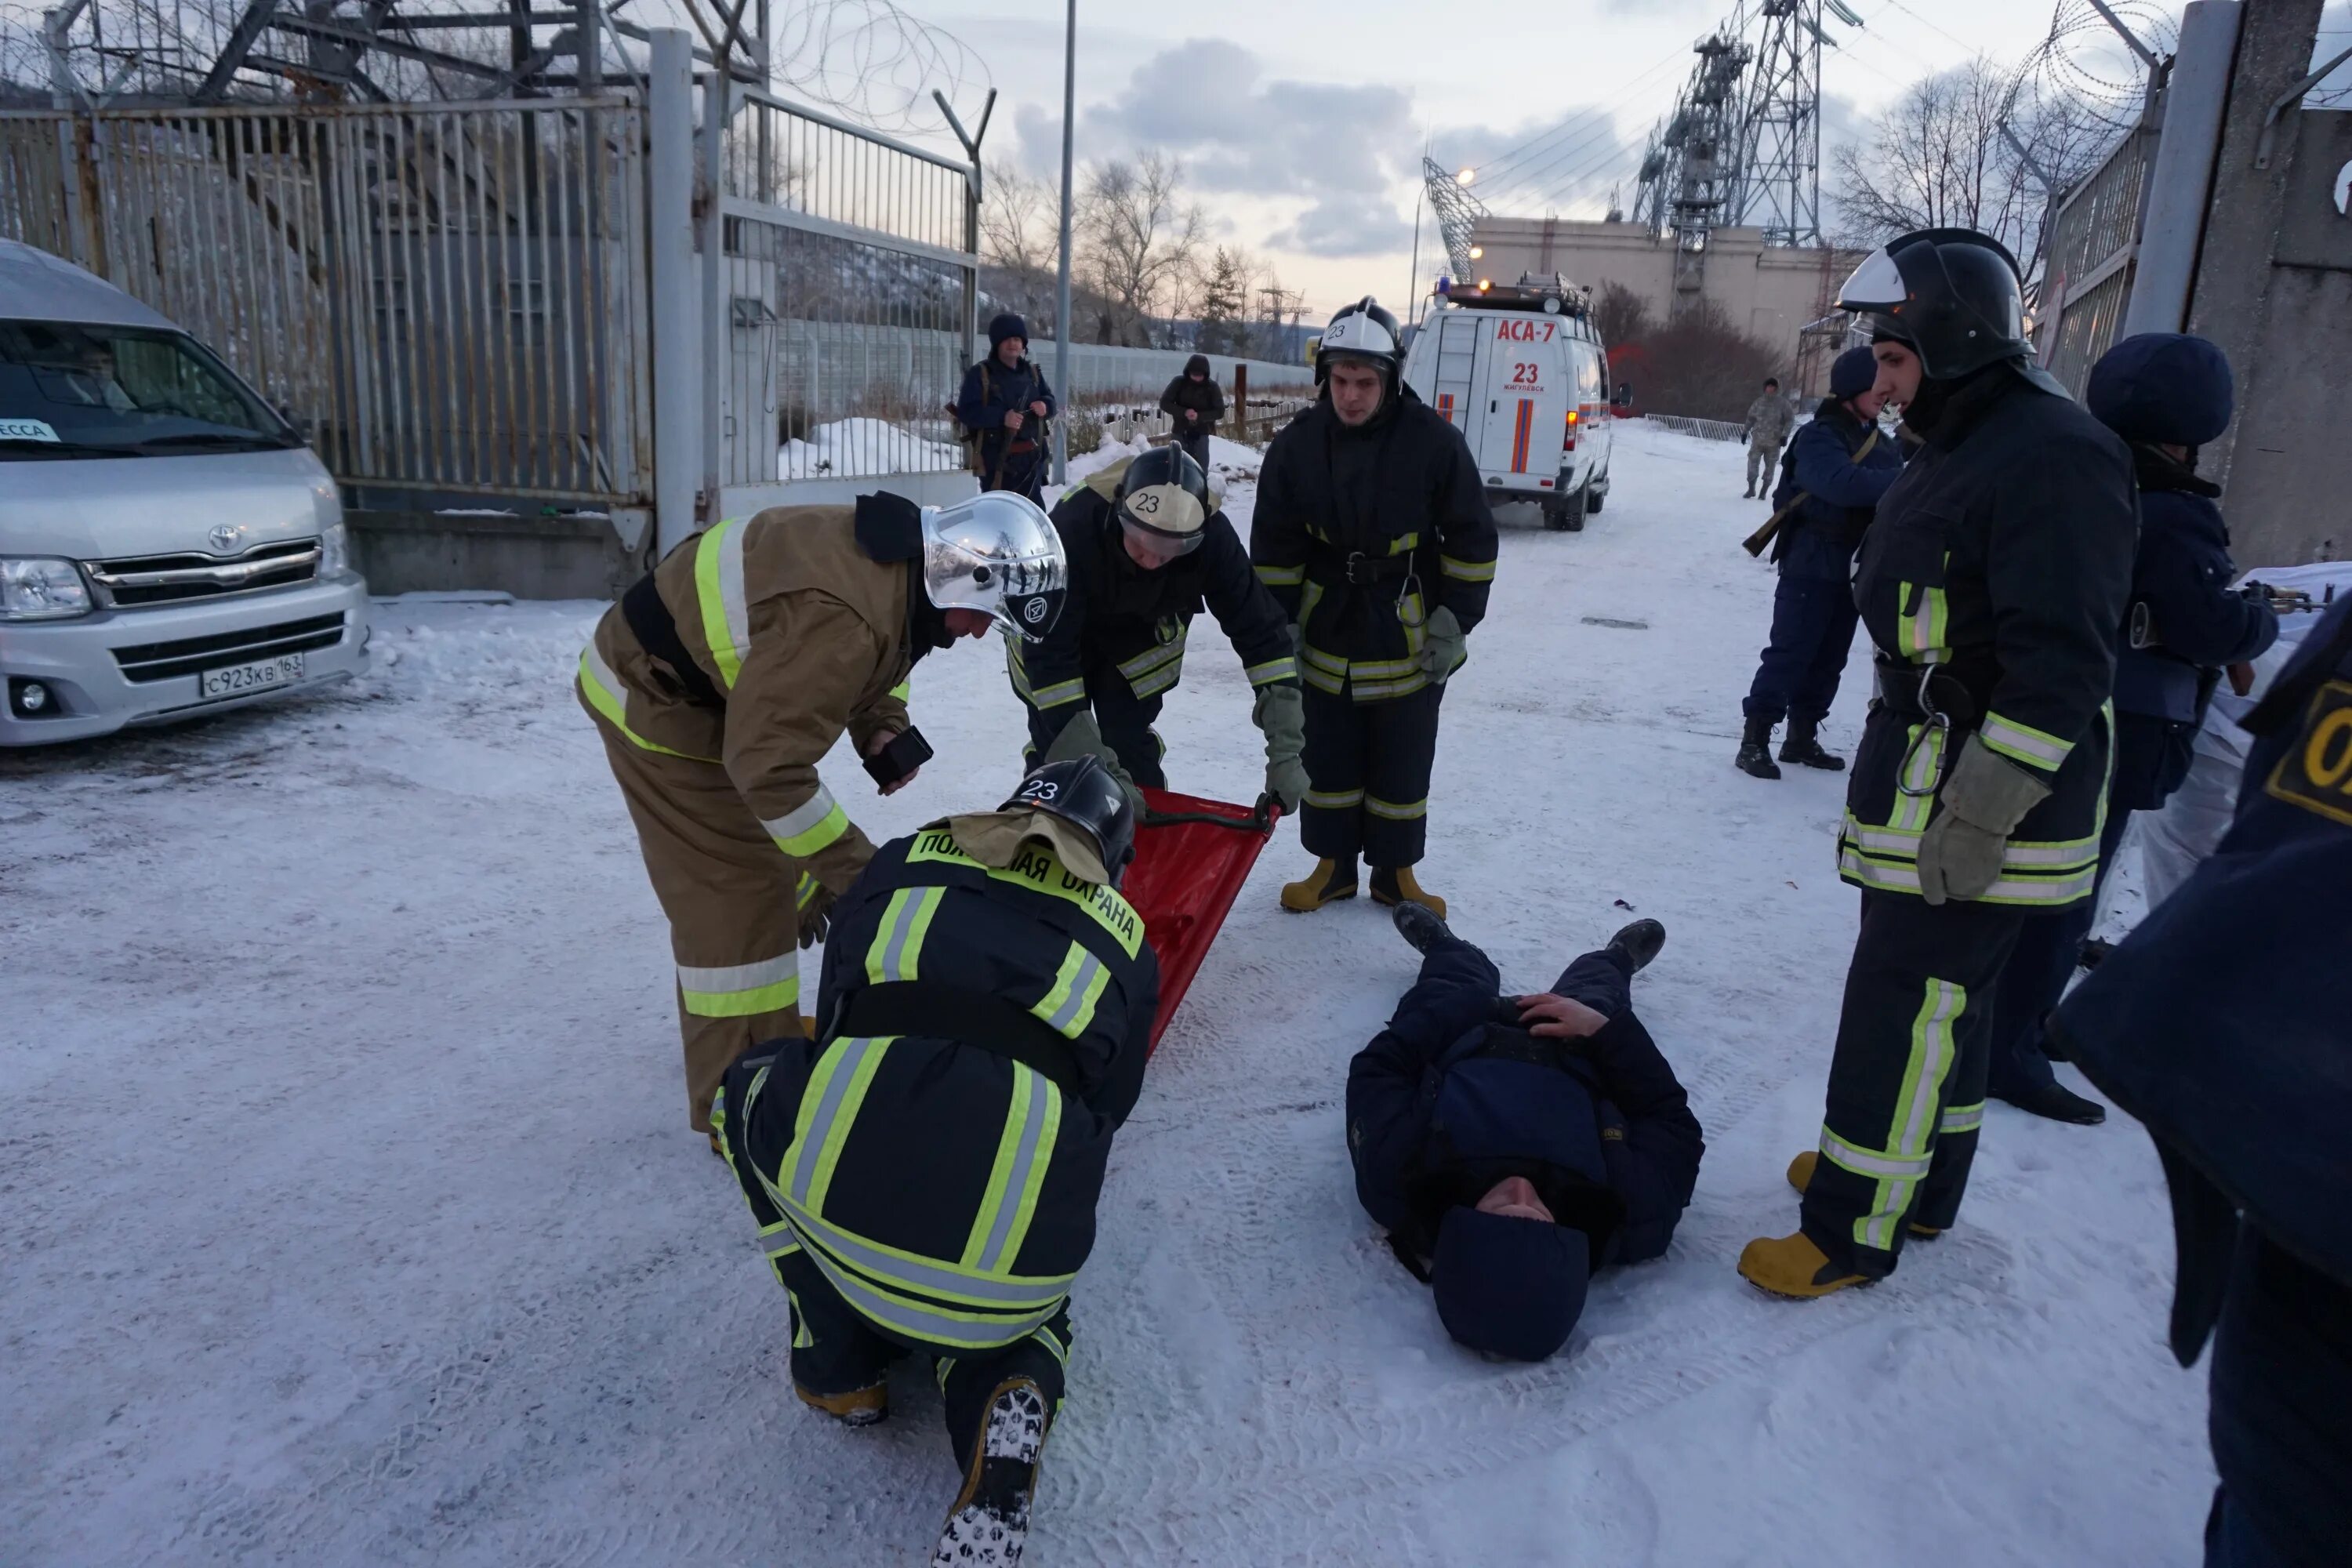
(924,1174)
(1994,582)
(1148,551)
(1373,532)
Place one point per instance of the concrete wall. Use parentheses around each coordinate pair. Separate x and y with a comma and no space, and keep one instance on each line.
(529,557)
(2274,289)
(1768,292)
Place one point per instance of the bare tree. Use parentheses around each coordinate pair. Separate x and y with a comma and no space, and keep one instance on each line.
(1137,237)
(1937,159)
(1619,315)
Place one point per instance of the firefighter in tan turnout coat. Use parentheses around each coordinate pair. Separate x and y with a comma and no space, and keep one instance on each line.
(723,677)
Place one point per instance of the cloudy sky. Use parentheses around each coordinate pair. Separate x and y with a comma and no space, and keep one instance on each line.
(1300,122)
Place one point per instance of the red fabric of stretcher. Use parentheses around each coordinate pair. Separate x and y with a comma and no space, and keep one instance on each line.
(1183,881)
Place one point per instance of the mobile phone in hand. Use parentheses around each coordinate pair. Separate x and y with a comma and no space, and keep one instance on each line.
(907,752)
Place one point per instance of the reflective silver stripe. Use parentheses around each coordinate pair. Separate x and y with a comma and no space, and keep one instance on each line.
(1905,879)
(1935,1044)
(2029,745)
(1083,982)
(778,1241)
(1154,658)
(930,1277)
(1017,1181)
(2058,856)
(602,672)
(1962,1117)
(1335,800)
(1392,812)
(1273,669)
(1869,1162)
(1058,694)
(731,589)
(1156,681)
(1900,841)
(737,978)
(836,1087)
(802,817)
(936,1325)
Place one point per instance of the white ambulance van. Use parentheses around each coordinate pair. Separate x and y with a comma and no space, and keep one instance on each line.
(1523,375)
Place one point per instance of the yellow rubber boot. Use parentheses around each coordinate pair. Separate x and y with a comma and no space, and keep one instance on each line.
(859,1407)
(1792,1265)
(1327,884)
(1398,887)
(1800,1176)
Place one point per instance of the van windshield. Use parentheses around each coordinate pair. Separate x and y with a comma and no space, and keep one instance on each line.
(72,389)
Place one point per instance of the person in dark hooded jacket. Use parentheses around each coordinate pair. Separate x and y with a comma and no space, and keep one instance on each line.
(1837,468)
(2167,394)
(1511,1146)
(1004,405)
(1195,402)
(2218,1024)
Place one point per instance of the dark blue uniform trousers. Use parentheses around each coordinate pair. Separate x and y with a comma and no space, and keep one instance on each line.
(1812,631)
(1460,988)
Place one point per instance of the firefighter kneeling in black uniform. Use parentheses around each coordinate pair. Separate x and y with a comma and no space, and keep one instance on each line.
(1993,583)
(924,1174)
(1373,532)
(1146,551)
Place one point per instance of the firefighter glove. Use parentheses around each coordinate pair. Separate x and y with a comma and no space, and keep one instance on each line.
(1082,737)
(1444,645)
(1281,714)
(1984,800)
(816,912)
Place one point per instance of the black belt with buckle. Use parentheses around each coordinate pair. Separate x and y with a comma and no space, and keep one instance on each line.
(1361,571)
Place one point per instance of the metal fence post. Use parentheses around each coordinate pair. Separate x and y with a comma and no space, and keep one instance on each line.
(2182,171)
(716,111)
(676,285)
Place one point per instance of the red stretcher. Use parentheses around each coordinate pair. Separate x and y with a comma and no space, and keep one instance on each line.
(1191,857)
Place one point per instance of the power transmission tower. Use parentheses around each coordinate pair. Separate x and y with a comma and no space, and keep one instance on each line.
(1778,175)
(1457,211)
(1706,135)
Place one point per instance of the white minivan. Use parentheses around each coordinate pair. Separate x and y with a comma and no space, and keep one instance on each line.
(169,546)
(1523,375)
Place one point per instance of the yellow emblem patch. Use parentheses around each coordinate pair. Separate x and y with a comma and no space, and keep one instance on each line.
(2317,771)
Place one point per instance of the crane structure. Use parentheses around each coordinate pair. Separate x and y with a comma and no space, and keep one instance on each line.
(1457,211)
(1690,174)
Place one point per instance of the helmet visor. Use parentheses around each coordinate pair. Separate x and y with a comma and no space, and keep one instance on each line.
(1162,522)
(1876,285)
(1149,547)
(996,554)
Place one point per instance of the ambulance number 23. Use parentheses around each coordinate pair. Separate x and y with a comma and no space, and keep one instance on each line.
(1526,374)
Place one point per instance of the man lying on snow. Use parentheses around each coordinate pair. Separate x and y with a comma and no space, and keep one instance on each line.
(1513,1145)
(924,1173)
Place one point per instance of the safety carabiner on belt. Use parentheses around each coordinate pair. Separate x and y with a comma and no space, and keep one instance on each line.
(1408,593)
(1936,721)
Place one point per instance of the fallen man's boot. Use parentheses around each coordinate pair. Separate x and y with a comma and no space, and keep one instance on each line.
(2059,1103)
(1792,1265)
(1327,884)
(1755,751)
(1393,887)
(1417,925)
(1638,943)
(1804,746)
(1800,1176)
(989,1525)
(859,1407)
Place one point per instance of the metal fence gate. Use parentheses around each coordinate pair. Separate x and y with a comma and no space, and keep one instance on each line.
(2093,251)
(448,297)
(846,283)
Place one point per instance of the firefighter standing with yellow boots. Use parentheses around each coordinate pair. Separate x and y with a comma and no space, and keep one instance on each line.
(1373,533)
(924,1174)
(723,677)
(1993,581)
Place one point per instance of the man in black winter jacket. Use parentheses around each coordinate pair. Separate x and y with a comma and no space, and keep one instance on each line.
(1004,405)
(2168,394)
(1992,581)
(1373,533)
(1195,402)
(1511,1146)
(1837,468)
(1147,553)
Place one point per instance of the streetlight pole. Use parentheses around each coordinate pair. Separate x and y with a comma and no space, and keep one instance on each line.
(1062,285)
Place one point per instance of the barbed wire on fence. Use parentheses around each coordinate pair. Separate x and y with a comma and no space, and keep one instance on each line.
(873,61)
(2082,61)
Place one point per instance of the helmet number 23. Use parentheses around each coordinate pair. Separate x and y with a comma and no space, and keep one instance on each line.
(1039,790)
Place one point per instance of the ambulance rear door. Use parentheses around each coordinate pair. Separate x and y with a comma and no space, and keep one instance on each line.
(1454,375)
(1529,385)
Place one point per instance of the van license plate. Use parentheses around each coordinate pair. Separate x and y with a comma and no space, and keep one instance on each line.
(238,678)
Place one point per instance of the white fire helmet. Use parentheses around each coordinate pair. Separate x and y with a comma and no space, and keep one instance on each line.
(996,554)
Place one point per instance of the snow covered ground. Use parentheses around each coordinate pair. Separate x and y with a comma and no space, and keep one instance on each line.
(348,1212)
(864,446)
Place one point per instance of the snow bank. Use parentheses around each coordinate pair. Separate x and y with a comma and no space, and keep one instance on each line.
(349,1214)
(862,446)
